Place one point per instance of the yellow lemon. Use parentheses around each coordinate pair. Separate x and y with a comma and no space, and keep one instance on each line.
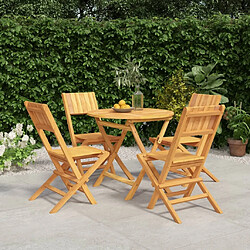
(124,106)
(122,102)
(127,106)
(116,106)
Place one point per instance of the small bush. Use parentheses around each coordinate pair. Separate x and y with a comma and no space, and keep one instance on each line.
(175,95)
(16,147)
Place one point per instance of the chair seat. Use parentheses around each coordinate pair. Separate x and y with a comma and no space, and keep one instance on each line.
(180,157)
(95,138)
(189,140)
(76,152)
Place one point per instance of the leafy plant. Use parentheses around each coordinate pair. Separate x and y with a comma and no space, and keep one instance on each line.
(129,75)
(42,57)
(16,147)
(205,82)
(175,95)
(238,122)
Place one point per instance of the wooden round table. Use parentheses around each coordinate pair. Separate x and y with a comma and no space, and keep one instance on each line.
(144,115)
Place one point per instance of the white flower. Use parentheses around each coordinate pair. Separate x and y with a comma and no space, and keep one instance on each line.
(32,141)
(22,144)
(30,128)
(25,138)
(12,135)
(19,129)
(1,136)
(5,141)
(19,126)
(19,132)
(27,160)
(7,164)
(2,149)
(11,144)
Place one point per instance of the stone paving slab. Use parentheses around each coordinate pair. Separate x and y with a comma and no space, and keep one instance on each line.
(114,223)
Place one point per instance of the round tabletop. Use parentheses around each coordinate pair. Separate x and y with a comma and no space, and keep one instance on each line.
(144,114)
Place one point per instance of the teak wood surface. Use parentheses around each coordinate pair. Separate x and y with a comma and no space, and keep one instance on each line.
(80,104)
(195,121)
(200,100)
(145,115)
(64,159)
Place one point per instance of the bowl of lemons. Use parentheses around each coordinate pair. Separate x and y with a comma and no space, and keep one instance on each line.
(122,107)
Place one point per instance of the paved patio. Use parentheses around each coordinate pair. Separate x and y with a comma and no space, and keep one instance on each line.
(118,224)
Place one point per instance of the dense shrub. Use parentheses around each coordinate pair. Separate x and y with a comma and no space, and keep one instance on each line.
(175,94)
(41,58)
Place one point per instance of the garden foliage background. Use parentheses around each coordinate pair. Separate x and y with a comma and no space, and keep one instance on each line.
(42,57)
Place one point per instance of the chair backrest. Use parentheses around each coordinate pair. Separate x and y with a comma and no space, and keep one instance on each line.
(78,104)
(43,121)
(204,100)
(195,121)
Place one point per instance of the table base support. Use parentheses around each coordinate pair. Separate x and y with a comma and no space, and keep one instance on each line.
(135,185)
(119,178)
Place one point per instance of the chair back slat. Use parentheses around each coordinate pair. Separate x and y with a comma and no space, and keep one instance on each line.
(38,114)
(201,120)
(193,122)
(80,103)
(204,100)
(44,121)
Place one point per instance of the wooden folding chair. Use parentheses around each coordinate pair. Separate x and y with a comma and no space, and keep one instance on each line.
(63,158)
(81,104)
(195,121)
(196,100)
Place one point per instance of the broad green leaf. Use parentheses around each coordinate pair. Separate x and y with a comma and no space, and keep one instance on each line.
(222,91)
(197,70)
(214,84)
(208,69)
(199,78)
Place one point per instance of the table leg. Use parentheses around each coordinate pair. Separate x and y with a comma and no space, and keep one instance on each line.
(137,182)
(114,150)
(112,169)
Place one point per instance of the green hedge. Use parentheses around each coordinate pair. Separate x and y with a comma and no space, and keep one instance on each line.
(41,58)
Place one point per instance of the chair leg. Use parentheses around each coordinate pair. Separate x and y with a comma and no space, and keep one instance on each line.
(205,170)
(79,165)
(112,169)
(153,200)
(101,176)
(65,198)
(151,170)
(43,187)
(71,191)
(169,206)
(195,173)
(135,186)
(89,172)
(81,183)
(210,197)
(88,194)
(62,168)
